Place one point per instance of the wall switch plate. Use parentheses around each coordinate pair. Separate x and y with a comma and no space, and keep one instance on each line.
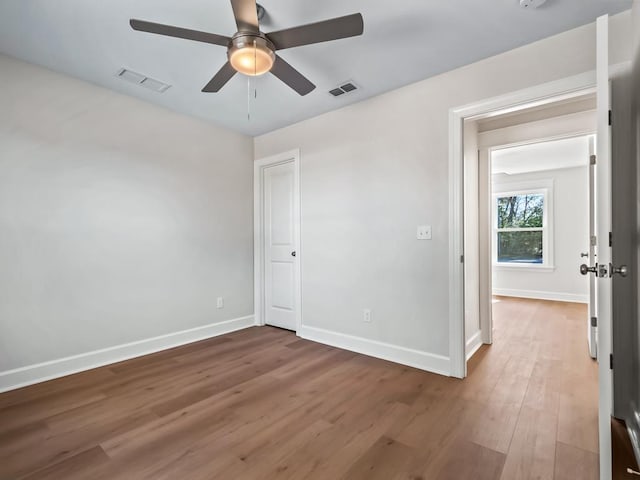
(220,302)
(366,315)
(424,232)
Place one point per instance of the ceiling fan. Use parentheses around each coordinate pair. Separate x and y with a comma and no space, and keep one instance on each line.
(252,52)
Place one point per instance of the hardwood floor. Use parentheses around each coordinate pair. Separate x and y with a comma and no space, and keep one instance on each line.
(622,449)
(261,404)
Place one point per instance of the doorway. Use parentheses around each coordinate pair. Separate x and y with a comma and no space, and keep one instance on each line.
(598,81)
(277,241)
(537,152)
(526,209)
(540,228)
(530,168)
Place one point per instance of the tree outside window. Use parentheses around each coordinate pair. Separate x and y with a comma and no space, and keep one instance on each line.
(520,228)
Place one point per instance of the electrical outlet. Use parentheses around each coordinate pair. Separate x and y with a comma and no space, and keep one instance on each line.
(220,302)
(424,232)
(366,315)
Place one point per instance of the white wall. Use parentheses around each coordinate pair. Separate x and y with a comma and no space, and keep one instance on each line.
(373,171)
(570,237)
(119,221)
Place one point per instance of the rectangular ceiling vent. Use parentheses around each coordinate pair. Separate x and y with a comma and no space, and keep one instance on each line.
(142,80)
(347,87)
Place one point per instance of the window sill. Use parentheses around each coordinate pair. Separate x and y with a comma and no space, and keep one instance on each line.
(524,266)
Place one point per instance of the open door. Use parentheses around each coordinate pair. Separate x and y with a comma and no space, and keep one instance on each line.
(590,254)
(604,269)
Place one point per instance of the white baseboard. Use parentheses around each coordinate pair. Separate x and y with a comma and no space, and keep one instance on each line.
(386,351)
(473,344)
(540,295)
(23,376)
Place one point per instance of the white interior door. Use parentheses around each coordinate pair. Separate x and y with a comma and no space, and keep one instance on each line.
(603,228)
(280,256)
(591,258)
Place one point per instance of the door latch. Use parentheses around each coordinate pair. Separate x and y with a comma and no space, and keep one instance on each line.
(603,270)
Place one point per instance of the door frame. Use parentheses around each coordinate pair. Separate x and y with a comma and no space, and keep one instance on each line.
(259,166)
(566,88)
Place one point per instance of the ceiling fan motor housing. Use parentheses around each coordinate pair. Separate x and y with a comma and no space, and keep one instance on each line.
(251,53)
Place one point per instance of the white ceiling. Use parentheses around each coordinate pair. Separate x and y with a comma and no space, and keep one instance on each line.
(404,41)
(538,157)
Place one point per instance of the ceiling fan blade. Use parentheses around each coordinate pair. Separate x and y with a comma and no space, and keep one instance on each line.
(246,13)
(178,32)
(220,79)
(291,77)
(334,29)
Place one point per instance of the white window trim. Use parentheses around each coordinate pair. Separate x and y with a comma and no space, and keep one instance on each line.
(544,187)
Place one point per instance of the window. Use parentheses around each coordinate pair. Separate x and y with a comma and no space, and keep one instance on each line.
(521,228)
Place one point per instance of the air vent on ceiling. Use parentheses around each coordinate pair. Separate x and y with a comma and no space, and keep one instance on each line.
(142,80)
(342,89)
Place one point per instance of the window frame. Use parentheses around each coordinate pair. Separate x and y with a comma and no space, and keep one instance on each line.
(544,188)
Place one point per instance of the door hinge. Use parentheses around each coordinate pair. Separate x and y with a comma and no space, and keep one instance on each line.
(610,239)
(592,160)
(611,361)
(594,321)
(594,240)
(610,118)
(461,258)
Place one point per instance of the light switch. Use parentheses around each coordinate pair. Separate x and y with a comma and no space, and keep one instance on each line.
(424,232)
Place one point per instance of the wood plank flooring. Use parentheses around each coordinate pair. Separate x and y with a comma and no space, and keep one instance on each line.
(262,404)
(622,449)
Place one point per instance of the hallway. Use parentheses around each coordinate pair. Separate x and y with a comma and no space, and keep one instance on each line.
(544,401)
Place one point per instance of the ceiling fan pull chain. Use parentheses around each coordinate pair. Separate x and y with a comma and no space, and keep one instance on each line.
(248,99)
(255,67)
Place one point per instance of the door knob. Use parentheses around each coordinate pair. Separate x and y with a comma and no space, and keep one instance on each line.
(584,254)
(622,270)
(584,269)
(293,254)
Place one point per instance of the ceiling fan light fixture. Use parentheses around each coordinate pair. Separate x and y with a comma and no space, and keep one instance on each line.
(251,52)
(251,55)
